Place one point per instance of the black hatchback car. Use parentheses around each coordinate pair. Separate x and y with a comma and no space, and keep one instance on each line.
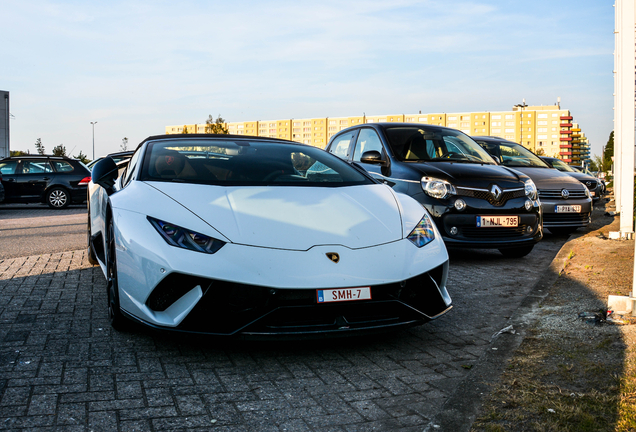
(474,202)
(55,180)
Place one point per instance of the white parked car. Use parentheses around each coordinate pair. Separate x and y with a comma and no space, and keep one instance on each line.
(252,236)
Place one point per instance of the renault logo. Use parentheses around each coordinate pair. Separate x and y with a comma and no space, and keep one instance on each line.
(333,256)
(495,191)
(565,193)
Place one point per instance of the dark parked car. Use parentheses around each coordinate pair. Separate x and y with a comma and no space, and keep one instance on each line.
(1,189)
(55,180)
(117,157)
(592,183)
(565,201)
(594,174)
(474,202)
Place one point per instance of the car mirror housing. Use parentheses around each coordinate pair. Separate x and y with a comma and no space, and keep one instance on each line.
(372,157)
(105,172)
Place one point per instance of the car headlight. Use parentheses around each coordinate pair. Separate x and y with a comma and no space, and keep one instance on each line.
(177,236)
(437,188)
(531,189)
(423,233)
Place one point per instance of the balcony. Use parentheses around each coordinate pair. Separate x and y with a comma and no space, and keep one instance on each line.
(566,125)
(565,153)
(565,132)
(568,146)
(576,129)
(565,139)
(566,117)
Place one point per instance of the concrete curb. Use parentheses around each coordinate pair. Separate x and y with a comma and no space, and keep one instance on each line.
(461,409)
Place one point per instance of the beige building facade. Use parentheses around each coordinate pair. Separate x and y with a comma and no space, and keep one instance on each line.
(546,130)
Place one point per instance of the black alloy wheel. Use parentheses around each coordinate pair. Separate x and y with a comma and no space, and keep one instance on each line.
(516,252)
(58,198)
(116,318)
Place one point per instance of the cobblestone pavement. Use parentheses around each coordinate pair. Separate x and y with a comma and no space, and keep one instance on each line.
(62,368)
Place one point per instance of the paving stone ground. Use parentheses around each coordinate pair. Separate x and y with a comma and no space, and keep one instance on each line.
(62,368)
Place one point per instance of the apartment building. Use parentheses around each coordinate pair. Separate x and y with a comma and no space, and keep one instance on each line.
(545,129)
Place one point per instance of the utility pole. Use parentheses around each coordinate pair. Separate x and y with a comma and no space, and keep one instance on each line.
(93,124)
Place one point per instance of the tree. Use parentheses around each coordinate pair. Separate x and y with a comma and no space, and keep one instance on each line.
(81,156)
(124,144)
(18,153)
(59,150)
(216,126)
(39,146)
(540,152)
(608,152)
(185,129)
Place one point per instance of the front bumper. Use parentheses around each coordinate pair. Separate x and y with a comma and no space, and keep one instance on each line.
(552,219)
(446,217)
(243,290)
(231,309)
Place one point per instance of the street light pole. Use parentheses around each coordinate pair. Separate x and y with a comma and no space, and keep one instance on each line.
(93,124)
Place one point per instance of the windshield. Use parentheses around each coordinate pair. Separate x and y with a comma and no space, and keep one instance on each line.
(512,154)
(227,162)
(428,143)
(561,166)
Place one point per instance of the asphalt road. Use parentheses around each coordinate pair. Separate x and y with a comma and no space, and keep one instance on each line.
(63,368)
(36,229)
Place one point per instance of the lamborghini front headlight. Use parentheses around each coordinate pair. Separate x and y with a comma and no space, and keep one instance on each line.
(184,238)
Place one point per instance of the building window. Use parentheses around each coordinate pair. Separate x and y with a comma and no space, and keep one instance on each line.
(509,116)
(496,117)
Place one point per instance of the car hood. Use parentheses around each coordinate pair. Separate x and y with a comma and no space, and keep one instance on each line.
(295,218)
(548,178)
(472,175)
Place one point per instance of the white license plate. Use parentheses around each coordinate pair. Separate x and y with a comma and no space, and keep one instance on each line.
(592,193)
(567,209)
(497,221)
(343,294)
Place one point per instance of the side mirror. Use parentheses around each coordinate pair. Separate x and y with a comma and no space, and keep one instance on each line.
(104,173)
(497,159)
(372,157)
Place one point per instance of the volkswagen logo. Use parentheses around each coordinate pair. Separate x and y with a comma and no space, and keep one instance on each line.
(333,256)
(565,193)
(495,191)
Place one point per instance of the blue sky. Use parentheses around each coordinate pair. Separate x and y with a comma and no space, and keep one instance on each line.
(138,66)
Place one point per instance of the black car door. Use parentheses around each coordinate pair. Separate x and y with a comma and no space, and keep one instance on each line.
(32,178)
(9,181)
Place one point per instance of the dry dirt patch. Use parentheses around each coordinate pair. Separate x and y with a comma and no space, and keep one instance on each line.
(570,374)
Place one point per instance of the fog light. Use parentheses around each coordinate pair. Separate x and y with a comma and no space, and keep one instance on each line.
(529,230)
(460,204)
(453,230)
(528,205)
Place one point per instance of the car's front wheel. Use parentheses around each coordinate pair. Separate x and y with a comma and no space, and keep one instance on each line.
(516,252)
(58,198)
(91,255)
(116,318)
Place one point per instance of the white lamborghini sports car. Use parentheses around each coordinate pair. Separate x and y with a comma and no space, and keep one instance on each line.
(247,236)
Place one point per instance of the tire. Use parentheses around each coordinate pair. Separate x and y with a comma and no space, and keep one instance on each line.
(58,198)
(116,318)
(89,252)
(517,252)
(560,231)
